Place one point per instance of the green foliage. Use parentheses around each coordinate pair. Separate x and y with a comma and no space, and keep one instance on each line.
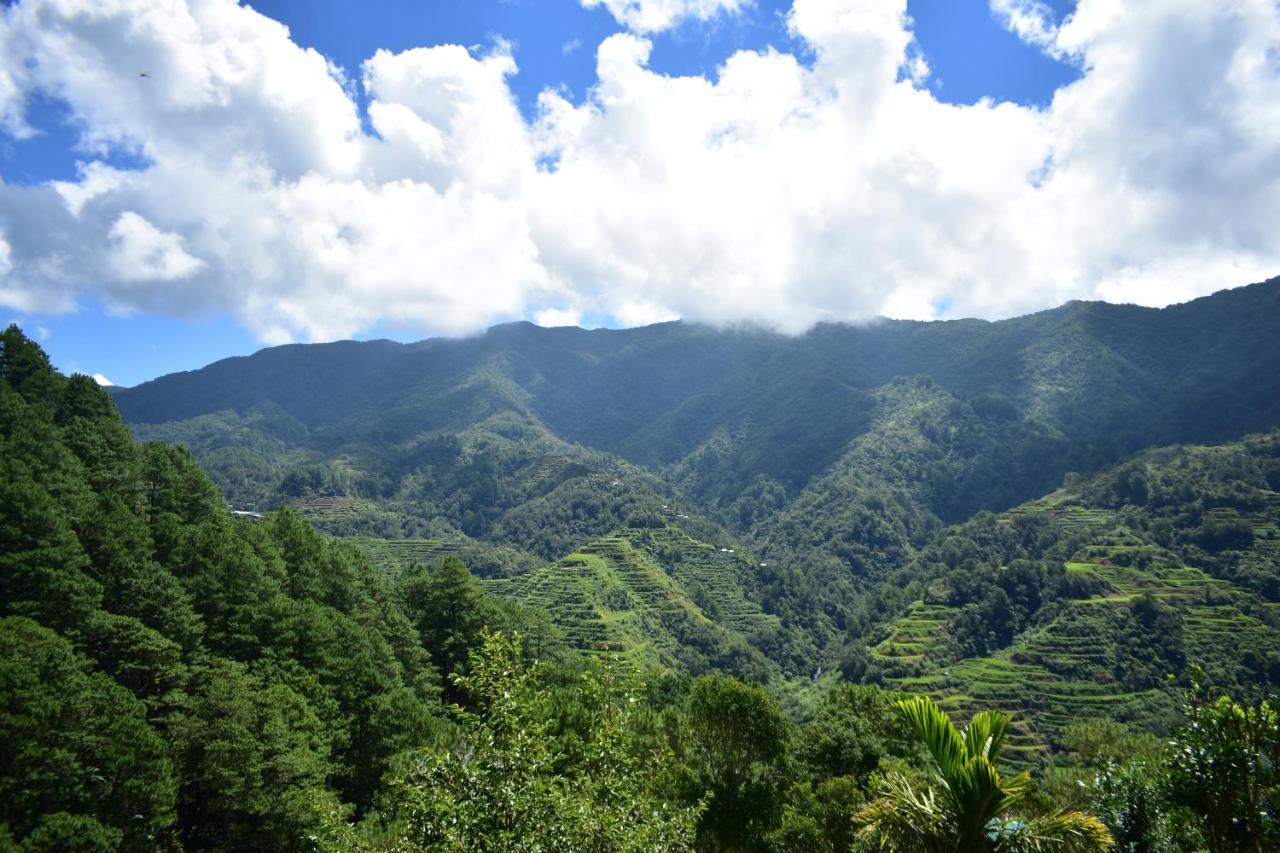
(251,752)
(501,783)
(61,831)
(448,609)
(172,676)
(1131,798)
(973,807)
(213,682)
(25,368)
(855,728)
(1212,786)
(79,745)
(740,742)
(631,592)
(1099,742)
(1225,766)
(835,456)
(1080,605)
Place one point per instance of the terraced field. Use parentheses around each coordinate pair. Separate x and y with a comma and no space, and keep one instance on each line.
(607,596)
(614,594)
(912,635)
(1067,669)
(1179,584)
(1070,516)
(545,474)
(319,508)
(713,577)
(395,555)
(1049,678)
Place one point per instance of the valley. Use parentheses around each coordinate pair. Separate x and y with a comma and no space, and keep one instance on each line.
(777,508)
(347,593)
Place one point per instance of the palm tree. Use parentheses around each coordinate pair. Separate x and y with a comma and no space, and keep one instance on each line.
(970,810)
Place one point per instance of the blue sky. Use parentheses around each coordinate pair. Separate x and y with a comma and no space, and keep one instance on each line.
(129,332)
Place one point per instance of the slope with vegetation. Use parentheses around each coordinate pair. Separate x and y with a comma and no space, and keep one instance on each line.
(835,456)
(173,676)
(1094,601)
(651,591)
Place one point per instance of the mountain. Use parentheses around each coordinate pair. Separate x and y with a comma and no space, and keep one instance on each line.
(834,457)
(178,675)
(1093,600)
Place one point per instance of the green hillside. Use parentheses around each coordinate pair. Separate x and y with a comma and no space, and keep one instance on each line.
(172,676)
(251,681)
(740,420)
(394,556)
(657,595)
(836,456)
(1094,601)
(651,592)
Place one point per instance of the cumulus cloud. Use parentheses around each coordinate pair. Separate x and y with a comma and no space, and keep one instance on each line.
(553,317)
(1031,20)
(102,380)
(782,190)
(651,16)
(141,252)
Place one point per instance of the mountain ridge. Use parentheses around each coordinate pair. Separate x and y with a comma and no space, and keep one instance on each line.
(138,409)
(836,455)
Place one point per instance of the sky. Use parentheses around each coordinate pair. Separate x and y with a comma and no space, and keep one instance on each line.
(184,180)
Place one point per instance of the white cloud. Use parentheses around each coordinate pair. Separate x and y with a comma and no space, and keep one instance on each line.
(96,179)
(642,313)
(447,117)
(143,253)
(651,16)
(780,192)
(1030,20)
(102,380)
(553,317)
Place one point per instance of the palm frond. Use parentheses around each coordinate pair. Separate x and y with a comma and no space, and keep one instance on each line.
(904,818)
(936,731)
(1058,832)
(1015,790)
(977,796)
(986,734)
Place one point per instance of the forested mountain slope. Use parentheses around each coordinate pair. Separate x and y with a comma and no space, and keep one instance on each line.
(633,390)
(171,676)
(742,415)
(176,677)
(1095,600)
(833,456)
(738,412)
